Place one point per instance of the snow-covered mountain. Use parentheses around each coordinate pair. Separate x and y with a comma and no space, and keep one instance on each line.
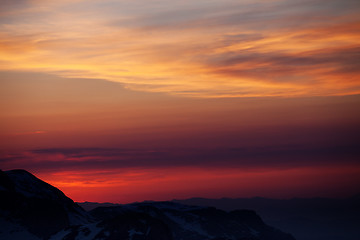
(32,209)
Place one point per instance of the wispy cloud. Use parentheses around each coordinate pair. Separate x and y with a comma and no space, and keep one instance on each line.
(29,133)
(201,49)
(115,159)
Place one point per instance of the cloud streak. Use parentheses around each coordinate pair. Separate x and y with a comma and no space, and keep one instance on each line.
(199,49)
(275,157)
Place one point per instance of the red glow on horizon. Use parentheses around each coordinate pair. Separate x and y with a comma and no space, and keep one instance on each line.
(180,183)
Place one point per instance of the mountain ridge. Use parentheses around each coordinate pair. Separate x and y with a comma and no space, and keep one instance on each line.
(324,218)
(317,218)
(33,209)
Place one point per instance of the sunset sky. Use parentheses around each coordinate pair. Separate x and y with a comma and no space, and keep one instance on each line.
(122,101)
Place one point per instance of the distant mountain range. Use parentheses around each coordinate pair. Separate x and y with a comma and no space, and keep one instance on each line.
(31,209)
(304,218)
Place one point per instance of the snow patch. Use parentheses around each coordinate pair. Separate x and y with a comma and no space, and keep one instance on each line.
(88,232)
(78,218)
(60,235)
(132,232)
(254,232)
(148,231)
(189,226)
(85,232)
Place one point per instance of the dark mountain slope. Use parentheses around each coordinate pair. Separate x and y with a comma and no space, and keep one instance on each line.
(39,207)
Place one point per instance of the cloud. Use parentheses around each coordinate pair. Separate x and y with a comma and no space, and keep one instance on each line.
(30,133)
(259,65)
(199,49)
(271,157)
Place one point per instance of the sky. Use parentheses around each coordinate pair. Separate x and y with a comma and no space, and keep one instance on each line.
(123,101)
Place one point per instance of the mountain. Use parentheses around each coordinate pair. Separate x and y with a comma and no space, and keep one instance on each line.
(305,218)
(35,207)
(32,209)
(177,221)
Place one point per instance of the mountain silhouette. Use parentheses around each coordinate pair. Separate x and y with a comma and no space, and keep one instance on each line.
(32,209)
(305,218)
(37,207)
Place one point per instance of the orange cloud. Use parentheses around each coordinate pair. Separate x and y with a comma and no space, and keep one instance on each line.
(228,50)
